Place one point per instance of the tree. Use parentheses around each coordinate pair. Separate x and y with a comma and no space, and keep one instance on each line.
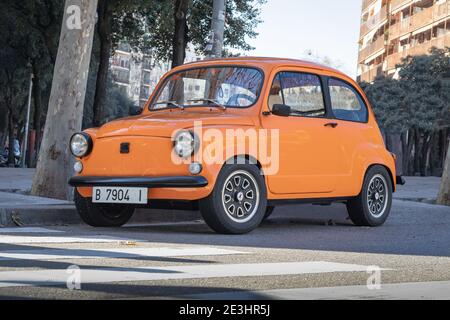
(64,116)
(427,102)
(387,96)
(444,193)
(118,20)
(316,57)
(242,18)
(31,28)
(180,36)
(12,81)
(417,106)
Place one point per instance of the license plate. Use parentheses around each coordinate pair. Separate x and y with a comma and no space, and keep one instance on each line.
(119,195)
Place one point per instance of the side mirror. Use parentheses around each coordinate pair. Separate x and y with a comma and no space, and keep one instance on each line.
(281,110)
(135,110)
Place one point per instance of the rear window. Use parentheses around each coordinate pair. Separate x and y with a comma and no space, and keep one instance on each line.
(346,102)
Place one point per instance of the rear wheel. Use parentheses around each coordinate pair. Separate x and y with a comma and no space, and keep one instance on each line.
(102,215)
(372,206)
(238,202)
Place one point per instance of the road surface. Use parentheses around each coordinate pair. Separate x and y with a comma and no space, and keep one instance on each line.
(302,252)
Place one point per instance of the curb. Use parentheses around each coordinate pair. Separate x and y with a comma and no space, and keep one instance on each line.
(41,215)
(54,215)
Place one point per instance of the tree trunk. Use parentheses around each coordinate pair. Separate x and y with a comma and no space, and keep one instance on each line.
(3,128)
(37,114)
(417,150)
(444,193)
(424,155)
(218,27)
(405,154)
(11,138)
(180,35)
(104,26)
(65,109)
(409,152)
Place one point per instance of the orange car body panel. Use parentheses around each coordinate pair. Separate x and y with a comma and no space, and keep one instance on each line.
(315,161)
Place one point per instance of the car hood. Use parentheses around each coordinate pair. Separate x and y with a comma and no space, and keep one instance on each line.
(163,124)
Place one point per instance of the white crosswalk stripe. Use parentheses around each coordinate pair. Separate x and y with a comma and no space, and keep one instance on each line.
(28,230)
(13,239)
(107,275)
(99,253)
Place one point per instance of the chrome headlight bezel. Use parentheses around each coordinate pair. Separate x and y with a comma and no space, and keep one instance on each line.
(81,144)
(185,143)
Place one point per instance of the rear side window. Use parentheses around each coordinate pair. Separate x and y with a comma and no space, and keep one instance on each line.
(346,103)
(300,91)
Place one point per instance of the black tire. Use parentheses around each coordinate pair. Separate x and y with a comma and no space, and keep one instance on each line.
(102,215)
(248,210)
(372,206)
(269,212)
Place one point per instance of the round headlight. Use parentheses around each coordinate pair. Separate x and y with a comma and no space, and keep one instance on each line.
(185,144)
(80,144)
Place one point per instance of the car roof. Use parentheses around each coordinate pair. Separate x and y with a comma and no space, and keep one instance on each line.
(258,61)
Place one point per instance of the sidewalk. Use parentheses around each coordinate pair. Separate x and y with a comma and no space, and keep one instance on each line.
(419,189)
(18,207)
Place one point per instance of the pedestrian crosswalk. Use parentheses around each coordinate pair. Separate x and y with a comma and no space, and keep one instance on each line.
(47,253)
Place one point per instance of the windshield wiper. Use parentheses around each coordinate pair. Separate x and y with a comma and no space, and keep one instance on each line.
(172,103)
(216,103)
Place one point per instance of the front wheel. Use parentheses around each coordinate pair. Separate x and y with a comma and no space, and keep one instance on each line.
(372,206)
(102,215)
(238,202)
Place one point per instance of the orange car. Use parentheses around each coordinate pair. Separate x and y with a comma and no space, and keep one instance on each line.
(235,138)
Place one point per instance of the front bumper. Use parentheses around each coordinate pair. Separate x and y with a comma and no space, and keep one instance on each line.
(140,182)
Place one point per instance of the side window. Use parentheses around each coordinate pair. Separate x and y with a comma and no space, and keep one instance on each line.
(276,96)
(301,91)
(346,103)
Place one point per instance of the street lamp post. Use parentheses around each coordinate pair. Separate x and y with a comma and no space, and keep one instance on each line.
(27,122)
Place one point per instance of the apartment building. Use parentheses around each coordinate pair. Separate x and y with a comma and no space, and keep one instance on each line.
(394,29)
(139,74)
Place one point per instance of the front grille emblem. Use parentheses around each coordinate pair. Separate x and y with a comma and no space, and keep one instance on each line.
(125,147)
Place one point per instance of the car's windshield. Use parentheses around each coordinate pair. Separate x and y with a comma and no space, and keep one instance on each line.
(226,87)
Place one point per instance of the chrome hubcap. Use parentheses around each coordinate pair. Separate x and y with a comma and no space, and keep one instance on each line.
(377,196)
(240,196)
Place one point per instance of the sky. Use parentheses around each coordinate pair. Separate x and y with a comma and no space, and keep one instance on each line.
(327,28)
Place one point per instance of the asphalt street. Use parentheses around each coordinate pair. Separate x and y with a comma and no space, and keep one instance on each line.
(302,252)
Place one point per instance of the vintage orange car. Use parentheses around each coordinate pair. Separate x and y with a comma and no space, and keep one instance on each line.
(235,138)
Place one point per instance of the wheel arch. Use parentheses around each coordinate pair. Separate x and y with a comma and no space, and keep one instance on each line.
(391,176)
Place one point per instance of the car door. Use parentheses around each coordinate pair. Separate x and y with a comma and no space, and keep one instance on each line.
(352,131)
(309,153)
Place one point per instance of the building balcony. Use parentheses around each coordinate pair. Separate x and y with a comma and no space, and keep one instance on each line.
(396,4)
(371,49)
(367,3)
(419,49)
(374,21)
(420,19)
(399,29)
(371,74)
(121,76)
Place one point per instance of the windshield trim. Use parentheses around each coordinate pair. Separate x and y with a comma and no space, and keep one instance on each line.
(170,74)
